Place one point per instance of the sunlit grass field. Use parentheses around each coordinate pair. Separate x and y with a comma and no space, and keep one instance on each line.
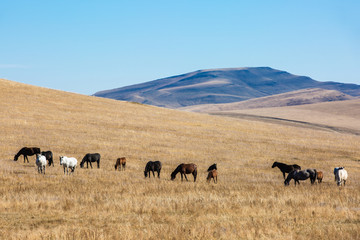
(249,201)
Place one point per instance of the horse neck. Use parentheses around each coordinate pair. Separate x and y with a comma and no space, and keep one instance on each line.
(19,154)
(176,171)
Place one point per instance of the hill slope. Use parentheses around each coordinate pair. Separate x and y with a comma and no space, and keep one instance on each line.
(220,86)
(248,202)
(300,97)
(343,115)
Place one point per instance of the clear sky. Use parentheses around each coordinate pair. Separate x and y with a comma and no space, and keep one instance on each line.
(85,46)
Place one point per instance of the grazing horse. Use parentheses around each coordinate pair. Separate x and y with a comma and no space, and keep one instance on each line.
(212,175)
(185,169)
(90,157)
(284,168)
(212,167)
(301,175)
(68,162)
(341,175)
(152,166)
(25,151)
(320,176)
(49,157)
(40,162)
(120,163)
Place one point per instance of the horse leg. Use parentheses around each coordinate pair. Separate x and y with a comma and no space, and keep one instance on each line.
(283,174)
(344,182)
(98,164)
(153,173)
(44,169)
(186,177)
(182,177)
(158,173)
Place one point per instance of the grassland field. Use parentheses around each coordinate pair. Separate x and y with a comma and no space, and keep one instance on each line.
(249,201)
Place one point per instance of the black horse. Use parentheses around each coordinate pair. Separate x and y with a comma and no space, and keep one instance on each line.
(185,169)
(301,175)
(284,168)
(212,167)
(153,166)
(25,151)
(90,157)
(49,157)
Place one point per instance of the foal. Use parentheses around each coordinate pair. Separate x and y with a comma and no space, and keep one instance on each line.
(120,163)
(320,176)
(212,175)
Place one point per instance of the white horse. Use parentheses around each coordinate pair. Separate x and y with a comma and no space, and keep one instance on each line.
(341,175)
(40,162)
(68,162)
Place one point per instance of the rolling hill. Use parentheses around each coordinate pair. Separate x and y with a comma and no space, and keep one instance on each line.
(300,97)
(216,86)
(249,201)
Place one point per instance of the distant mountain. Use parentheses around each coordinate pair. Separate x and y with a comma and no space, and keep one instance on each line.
(299,97)
(220,86)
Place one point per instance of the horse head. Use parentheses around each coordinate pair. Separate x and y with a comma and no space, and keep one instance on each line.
(145,173)
(173,175)
(274,164)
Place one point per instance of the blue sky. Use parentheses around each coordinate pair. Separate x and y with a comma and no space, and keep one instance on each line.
(87,46)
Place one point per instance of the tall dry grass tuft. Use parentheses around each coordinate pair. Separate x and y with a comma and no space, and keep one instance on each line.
(248,202)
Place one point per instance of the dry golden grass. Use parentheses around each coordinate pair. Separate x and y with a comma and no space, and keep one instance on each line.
(249,201)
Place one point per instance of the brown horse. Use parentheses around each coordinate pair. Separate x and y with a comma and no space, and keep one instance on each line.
(212,175)
(120,163)
(25,151)
(320,176)
(185,169)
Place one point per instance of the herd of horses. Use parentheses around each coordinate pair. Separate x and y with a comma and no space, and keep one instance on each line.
(120,164)
(294,171)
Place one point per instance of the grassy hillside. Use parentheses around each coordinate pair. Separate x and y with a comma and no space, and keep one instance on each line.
(341,114)
(249,201)
(300,97)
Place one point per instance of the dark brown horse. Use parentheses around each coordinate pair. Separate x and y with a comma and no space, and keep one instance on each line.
(120,163)
(212,175)
(284,168)
(89,158)
(185,169)
(25,151)
(49,156)
(152,166)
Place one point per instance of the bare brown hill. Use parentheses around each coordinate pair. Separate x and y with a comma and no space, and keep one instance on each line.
(248,202)
(339,116)
(300,97)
